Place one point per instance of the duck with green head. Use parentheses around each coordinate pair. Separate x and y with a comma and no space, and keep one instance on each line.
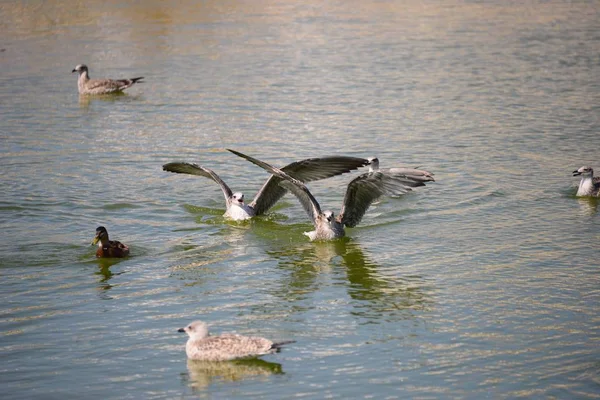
(108,248)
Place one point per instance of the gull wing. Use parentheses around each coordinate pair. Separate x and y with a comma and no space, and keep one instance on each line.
(363,190)
(195,169)
(110,85)
(309,203)
(311,169)
(307,200)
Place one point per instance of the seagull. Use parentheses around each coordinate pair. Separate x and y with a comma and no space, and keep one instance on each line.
(100,86)
(589,186)
(361,192)
(108,248)
(414,174)
(311,169)
(227,346)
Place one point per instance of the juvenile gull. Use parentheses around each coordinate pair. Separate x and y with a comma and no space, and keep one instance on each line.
(100,86)
(414,174)
(362,191)
(589,186)
(227,346)
(108,248)
(308,170)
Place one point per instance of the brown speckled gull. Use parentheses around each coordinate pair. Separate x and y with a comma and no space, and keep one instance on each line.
(227,346)
(100,86)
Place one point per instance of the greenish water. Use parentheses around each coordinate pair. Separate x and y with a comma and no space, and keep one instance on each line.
(481,285)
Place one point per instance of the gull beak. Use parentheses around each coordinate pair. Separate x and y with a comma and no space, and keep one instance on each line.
(181,330)
(576,172)
(74,71)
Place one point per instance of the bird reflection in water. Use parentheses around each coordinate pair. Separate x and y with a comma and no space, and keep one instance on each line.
(105,274)
(201,374)
(588,205)
(378,290)
(86,101)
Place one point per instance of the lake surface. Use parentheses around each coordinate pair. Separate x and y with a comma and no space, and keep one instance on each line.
(484,284)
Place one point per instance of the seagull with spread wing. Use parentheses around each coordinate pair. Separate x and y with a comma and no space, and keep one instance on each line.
(361,192)
(308,170)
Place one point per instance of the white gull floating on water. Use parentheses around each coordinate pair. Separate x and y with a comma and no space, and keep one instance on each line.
(589,185)
(412,173)
(100,86)
(227,346)
(361,192)
(308,170)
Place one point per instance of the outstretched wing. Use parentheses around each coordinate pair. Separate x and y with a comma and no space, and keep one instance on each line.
(363,190)
(195,169)
(311,169)
(310,204)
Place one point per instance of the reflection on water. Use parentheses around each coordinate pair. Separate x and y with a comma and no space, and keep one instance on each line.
(105,274)
(486,284)
(85,101)
(588,205)
(202,374)
(378,290)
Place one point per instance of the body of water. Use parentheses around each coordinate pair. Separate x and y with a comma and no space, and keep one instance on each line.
(484,284)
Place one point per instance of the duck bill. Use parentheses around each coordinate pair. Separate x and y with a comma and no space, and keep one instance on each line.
(96,239)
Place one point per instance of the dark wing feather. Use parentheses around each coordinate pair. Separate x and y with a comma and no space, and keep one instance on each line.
(311,169)
(298,188)
(307,200)
(195,169)
(364,190)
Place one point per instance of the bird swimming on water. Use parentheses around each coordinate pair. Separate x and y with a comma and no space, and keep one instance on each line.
(227,346)
(308,170)
(100,86)
(589,185)
(412,173)
(108,248)
(361,192)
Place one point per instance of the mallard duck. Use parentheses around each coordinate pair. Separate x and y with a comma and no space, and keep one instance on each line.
(225,347)
(311,169)
(361,192)
(589,185)
(108,248)
(100,86)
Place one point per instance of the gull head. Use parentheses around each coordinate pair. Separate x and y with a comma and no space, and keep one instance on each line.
(584,171)
(373,163)
(101,235)
(329,216)
(81,68)
(196,330)
(238,198)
